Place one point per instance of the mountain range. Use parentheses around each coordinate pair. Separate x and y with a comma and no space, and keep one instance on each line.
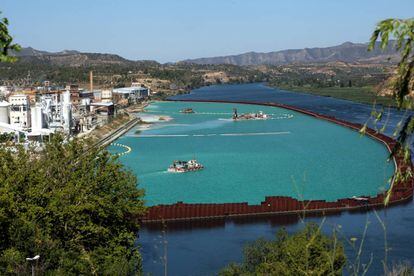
(346,52)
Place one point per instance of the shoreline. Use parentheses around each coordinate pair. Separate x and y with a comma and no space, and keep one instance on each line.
(281,205)
(113,134)
(366,95)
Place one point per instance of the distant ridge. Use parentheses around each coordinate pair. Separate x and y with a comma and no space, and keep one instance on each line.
(29,51)
(72,58)
(346,52)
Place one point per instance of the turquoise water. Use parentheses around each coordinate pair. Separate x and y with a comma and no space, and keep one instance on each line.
(291,155)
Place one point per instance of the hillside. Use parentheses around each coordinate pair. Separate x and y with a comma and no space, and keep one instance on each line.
(69,58)
(346,52)
(308,69)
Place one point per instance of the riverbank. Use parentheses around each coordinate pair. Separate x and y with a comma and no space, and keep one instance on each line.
(365,95)
(116,127)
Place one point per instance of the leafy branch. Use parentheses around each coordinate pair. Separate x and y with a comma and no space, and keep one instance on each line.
(6,42)
(402,30)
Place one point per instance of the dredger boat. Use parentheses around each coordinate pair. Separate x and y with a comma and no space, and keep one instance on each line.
(179,166)
(249,116)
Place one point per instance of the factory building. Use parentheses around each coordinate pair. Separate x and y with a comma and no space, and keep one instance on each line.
(131,94)
(74,93)
(106,95)
(53,111)
(103,108)
(38,112)
(19,110)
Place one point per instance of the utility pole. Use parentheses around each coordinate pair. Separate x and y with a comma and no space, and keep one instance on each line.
(32,260)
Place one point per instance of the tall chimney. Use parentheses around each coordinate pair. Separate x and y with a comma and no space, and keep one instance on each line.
(91,81)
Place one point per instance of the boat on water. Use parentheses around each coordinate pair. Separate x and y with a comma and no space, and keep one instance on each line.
(179,166)
(187,110)
(250,116)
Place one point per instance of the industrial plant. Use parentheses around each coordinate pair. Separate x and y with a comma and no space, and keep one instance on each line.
(33,113)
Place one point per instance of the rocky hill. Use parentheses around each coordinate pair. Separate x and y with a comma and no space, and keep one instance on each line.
(346,52)
(70,58)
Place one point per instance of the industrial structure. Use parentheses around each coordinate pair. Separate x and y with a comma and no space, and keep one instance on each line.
(131,95)
(36,112)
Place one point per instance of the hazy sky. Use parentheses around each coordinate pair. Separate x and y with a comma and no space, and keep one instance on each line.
(171,30)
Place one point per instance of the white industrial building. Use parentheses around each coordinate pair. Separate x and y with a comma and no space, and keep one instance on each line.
(19,111)
(132,94)
(106,95)
(53,112)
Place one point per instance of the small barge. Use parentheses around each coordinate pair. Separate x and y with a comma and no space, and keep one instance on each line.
(179,166)
(249,116)
(187,110)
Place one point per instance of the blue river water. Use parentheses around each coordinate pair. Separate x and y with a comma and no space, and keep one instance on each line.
(289,154)
(204,247)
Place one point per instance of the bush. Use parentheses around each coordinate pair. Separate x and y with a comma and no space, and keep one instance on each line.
(307,252)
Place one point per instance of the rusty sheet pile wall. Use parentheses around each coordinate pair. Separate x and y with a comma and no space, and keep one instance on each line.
(402,190)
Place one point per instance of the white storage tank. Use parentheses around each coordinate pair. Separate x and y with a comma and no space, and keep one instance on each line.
(4,112)
(66,111)
(37,118)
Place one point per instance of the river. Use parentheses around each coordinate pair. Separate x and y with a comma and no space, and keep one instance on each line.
(204,247)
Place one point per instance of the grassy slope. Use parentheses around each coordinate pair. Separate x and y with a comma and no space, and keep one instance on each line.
(357,94)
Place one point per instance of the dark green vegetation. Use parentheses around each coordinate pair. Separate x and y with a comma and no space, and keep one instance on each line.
(308,252)
(356,94)
(329,75)
(339,80)
(6,42)
(6,137)
(77,209)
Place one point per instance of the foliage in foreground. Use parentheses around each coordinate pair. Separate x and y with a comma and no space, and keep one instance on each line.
(76,209)
(307,252)
(6,42)
(402,30)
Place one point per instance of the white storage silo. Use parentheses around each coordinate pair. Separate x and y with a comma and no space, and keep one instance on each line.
(4,112)
(67,111)
(37,118)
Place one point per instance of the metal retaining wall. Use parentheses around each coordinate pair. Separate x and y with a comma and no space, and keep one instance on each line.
(402,191)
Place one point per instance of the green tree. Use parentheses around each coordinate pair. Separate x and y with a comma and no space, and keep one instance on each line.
(6,42)
(77,209)
(308,252)
(402,31)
